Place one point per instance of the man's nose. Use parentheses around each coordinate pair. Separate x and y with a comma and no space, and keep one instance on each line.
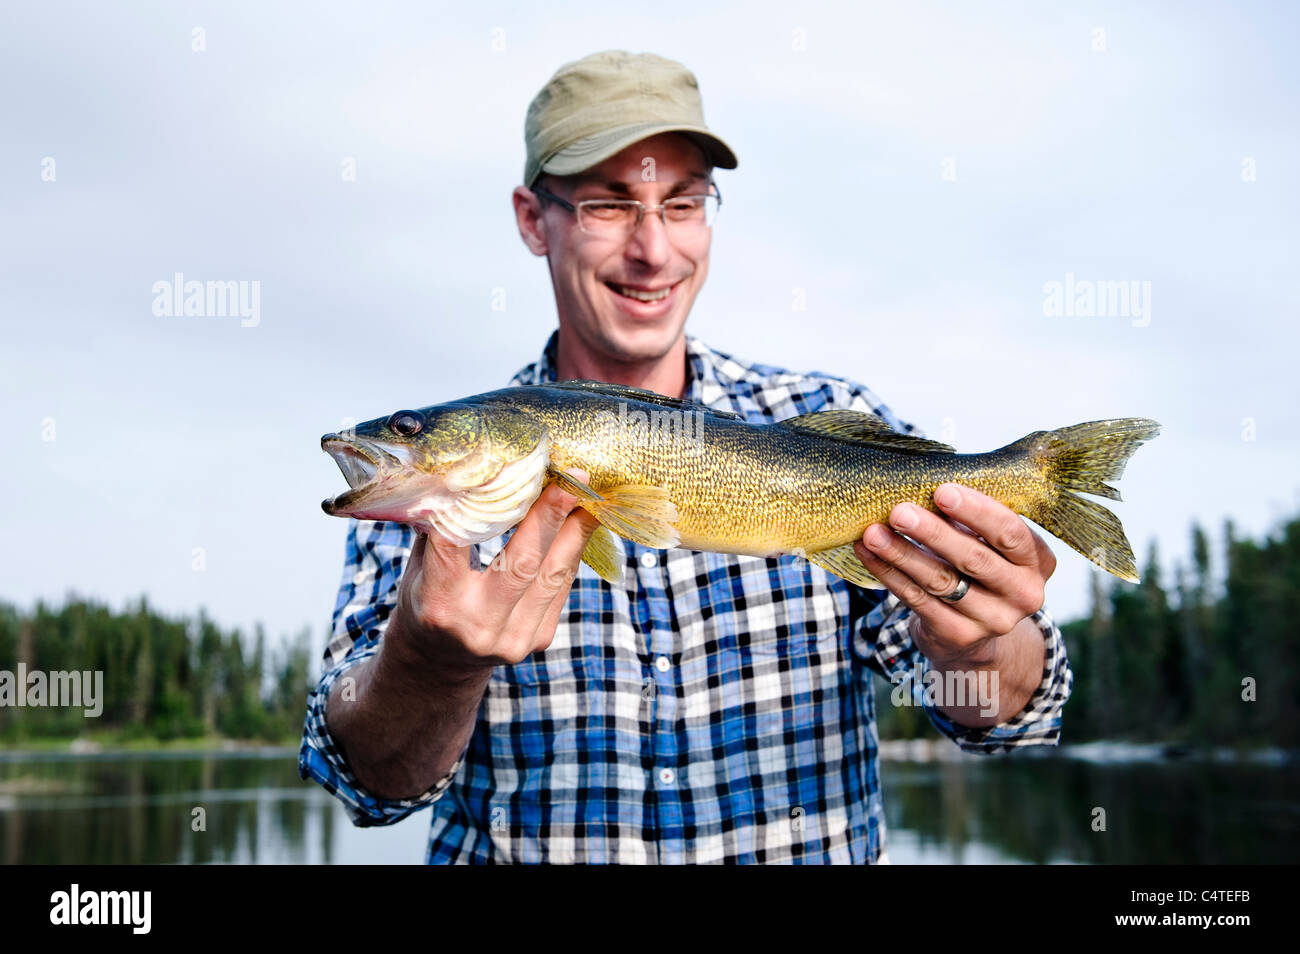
(649,241)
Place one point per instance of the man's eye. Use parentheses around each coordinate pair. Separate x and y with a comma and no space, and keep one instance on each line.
(685,208)
(606,210)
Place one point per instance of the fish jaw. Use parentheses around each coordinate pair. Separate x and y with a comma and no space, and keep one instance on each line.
(378,477)
(474,502)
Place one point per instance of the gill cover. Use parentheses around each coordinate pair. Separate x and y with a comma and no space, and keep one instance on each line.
(488,490)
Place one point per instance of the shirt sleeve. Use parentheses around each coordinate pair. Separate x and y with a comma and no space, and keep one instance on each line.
(882,639)
(372,568)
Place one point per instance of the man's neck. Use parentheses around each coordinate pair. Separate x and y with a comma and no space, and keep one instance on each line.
(666,375)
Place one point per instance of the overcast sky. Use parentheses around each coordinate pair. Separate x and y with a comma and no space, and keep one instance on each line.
(914,175)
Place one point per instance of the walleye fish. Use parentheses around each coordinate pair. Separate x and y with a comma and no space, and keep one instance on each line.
(671,473)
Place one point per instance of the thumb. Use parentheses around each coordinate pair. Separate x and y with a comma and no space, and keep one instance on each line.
(440,560)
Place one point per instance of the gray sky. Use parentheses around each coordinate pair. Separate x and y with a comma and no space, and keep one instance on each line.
(913,174)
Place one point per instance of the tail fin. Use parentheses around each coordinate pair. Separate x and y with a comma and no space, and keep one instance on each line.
(1080,459)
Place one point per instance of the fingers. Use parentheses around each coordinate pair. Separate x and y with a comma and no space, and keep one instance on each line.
(920,581)
(964,553)
(1046,558)
(517,565)
(997,523)
(538,610)
(1006,563)
(1018,561)
(511,609)
(935,577)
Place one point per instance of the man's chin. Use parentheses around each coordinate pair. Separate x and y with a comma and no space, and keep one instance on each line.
(636,342)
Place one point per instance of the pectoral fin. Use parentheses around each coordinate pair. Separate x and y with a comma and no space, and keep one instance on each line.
(844,563)
(642,514)
(572,485)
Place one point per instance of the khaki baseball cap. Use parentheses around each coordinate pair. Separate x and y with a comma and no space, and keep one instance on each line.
(599,105)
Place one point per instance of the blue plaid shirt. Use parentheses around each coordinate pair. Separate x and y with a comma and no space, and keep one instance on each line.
(711,708)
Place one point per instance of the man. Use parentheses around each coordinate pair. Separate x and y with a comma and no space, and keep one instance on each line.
(709,708)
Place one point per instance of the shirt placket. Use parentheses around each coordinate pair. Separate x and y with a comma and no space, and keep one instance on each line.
(659,679)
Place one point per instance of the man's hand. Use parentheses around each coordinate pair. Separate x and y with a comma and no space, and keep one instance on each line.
(403,716)
(1008,569)
(454,617)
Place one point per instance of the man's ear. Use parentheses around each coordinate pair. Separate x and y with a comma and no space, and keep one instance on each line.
(528,216)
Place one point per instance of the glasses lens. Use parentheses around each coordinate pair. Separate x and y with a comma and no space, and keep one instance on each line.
(684,215)
(614,217)
(690,211)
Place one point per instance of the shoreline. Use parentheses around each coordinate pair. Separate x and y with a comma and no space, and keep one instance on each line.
(1108,752)
(929,750)
(111,747)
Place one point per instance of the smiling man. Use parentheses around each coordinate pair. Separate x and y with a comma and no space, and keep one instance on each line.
(709,708)
(624,285)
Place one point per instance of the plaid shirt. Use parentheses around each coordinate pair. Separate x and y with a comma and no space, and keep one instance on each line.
(711,708)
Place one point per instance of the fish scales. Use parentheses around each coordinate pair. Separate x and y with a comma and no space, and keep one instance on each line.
(759,490)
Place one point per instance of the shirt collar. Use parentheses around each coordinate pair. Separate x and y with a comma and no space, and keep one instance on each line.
(706,381)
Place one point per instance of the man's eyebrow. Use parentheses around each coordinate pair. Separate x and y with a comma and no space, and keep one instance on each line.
(622,188)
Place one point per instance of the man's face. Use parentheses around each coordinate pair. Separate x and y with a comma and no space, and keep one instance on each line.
(596,277)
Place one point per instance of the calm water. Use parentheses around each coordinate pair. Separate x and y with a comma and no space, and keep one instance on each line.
(101,809)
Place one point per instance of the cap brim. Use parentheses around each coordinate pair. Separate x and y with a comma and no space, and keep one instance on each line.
(581,155)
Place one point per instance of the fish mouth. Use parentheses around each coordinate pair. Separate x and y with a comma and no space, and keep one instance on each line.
(364,464)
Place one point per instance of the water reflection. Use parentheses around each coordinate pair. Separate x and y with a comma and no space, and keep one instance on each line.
(1042,810)
(162,810)
(141,809)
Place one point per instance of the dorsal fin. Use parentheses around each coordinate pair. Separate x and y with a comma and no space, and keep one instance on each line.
(628,393)
(858,427)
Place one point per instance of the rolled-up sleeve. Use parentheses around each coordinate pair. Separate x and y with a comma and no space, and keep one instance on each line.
(372,569)
(882,638)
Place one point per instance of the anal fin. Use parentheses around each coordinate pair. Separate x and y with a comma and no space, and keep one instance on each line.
(844,563)
(604,554)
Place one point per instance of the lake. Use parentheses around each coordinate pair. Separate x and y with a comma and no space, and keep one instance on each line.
(131,809)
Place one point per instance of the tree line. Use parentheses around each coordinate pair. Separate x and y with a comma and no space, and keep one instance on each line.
(163,678)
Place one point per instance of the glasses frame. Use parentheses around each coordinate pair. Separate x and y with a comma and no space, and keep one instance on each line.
(641,207)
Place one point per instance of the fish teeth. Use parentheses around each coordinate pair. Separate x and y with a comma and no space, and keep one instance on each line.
(357,469)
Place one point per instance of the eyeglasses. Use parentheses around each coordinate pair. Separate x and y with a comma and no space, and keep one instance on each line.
(685,216)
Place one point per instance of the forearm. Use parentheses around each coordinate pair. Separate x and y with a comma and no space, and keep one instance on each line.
(402,723)
(1009,667)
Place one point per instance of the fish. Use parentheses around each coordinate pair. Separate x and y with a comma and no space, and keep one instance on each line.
(666,472)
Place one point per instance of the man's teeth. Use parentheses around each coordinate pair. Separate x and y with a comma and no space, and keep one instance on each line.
(640,295)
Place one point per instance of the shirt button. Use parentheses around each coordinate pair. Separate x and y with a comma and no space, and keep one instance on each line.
(662,664)
(666,776)
(648,559)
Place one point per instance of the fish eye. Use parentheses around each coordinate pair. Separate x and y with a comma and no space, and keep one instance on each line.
(406,423)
